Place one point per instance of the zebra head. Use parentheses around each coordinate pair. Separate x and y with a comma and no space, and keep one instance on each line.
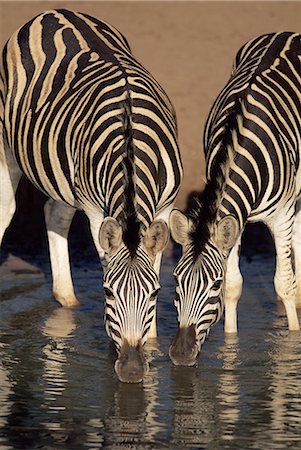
(131,285)
(199,284)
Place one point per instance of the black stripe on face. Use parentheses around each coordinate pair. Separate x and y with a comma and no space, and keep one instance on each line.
(199,289)
(131,287)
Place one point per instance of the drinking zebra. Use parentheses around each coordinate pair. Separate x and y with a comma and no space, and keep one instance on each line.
(93,130)
(252,144)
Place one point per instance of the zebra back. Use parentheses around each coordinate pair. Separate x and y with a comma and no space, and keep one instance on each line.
(76,93)
(252,135)
(252,143)
(261,60)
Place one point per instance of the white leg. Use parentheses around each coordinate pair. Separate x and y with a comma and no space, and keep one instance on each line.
(233,289)
(284,280)
(10,175)
(95,223)
(157,266)
(153,327)
(296,243)
(58,218)
(157,263)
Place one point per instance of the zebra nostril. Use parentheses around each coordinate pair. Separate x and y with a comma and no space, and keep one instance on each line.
(130,372)
(183,359)
(131,365)
(184,349)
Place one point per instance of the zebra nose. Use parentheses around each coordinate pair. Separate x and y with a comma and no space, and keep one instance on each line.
(184,349)
(131,366)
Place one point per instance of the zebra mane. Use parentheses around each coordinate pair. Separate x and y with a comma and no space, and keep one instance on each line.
(130,223)
(202,207)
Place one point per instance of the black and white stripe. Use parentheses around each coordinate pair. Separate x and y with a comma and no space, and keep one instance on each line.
(252,144)
(92,129)
(133,281)
(202,298)
(68,96)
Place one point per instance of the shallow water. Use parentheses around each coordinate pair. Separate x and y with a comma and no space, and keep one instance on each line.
(58,389)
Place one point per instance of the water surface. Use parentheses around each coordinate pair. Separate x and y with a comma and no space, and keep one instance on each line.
(58,389)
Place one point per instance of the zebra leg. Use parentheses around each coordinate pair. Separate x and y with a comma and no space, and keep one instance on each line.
(284,280)
(9,180)
(296,243)
(157,266)
(153,328)
(58,217)
(95,223)
(233,290)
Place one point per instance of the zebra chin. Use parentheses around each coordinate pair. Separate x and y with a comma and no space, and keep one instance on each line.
(184,349)
(131,365)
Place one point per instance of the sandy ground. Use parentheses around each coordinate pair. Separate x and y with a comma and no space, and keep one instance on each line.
(188,47)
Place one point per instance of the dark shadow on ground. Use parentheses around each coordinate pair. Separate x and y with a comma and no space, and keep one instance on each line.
(26,236)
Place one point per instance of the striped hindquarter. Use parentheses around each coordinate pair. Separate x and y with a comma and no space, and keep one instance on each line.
(93,130)
(64,105)
(252,145)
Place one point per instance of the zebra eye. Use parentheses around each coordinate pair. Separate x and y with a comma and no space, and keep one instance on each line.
(108,293)
(216,286)
(177,297)
(155,293)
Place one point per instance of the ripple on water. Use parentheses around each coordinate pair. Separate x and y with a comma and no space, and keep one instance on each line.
(58,389)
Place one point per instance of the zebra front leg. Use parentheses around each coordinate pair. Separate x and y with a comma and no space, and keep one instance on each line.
(58,217)
(234,282)
(284,280)
(296,243)
(95,224)
(157,266)
(153,328)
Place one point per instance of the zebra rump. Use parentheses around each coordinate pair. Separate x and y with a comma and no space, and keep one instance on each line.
(91,128)
(252,143)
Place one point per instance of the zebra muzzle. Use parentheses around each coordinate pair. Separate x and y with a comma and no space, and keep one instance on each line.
(131,366)
(184,349)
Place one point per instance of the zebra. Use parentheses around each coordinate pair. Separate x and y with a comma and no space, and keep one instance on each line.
(252,142)
(91,128)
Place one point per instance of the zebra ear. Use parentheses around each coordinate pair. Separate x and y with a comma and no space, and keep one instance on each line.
(156,237)
(180,227)
(110,235)
(226,233)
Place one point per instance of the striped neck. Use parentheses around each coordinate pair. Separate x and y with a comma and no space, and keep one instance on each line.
(220,197)
(204,207)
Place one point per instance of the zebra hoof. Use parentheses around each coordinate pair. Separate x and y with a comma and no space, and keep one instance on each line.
(184,349)
(69,301)
(131,365)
